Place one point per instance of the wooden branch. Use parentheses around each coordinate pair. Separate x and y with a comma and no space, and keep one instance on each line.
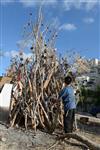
(89,143)
(26,121)
(40,119)
(14,118)
(44,112)
(48,79)
(88,119)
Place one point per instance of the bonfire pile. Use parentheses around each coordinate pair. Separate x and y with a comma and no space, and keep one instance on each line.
(37,80)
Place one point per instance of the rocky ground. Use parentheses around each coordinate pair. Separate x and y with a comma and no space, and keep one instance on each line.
(19,139)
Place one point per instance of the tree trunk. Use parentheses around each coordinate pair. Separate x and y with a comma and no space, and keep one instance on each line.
(86,141)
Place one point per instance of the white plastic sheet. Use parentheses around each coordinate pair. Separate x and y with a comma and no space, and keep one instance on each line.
(5,96)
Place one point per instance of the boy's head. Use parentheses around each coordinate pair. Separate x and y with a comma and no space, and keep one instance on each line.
(68,80)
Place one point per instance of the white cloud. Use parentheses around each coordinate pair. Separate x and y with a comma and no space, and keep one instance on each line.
(10,53)
(68,5)
(24,43)
(6,1)
(88,20)
(90,4)
(55,22)
(14,53)
(80,4)
(31,3)
(28,3)
(65,4)
(49,2)
(68,27)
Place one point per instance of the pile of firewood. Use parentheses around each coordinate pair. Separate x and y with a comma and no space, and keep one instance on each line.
(37,80)
(35,91)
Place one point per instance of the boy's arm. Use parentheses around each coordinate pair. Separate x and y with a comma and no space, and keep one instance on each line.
(61,94)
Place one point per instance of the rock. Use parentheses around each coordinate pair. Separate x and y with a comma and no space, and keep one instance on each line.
(3,139)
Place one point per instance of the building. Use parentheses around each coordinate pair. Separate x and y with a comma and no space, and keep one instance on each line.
(94,74)
(91,79)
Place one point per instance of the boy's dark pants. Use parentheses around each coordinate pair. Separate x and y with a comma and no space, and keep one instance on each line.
(69,118)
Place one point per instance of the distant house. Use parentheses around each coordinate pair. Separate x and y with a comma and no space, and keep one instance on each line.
(94,74)
(82,80)
(91,79)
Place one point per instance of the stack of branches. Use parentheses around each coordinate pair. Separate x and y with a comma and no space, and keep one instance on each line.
(37,79)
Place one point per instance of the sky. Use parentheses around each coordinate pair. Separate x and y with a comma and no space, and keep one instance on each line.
(78,23)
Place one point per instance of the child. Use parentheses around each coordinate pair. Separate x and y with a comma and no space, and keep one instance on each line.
(68,98)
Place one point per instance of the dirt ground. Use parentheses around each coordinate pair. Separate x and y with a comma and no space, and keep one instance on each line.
(19,139)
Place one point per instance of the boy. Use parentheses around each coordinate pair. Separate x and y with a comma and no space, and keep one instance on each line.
(68,98)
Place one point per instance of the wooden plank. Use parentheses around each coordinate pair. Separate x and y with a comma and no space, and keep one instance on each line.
(88,119)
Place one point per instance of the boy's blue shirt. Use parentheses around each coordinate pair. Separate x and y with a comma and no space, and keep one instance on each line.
(68,97)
